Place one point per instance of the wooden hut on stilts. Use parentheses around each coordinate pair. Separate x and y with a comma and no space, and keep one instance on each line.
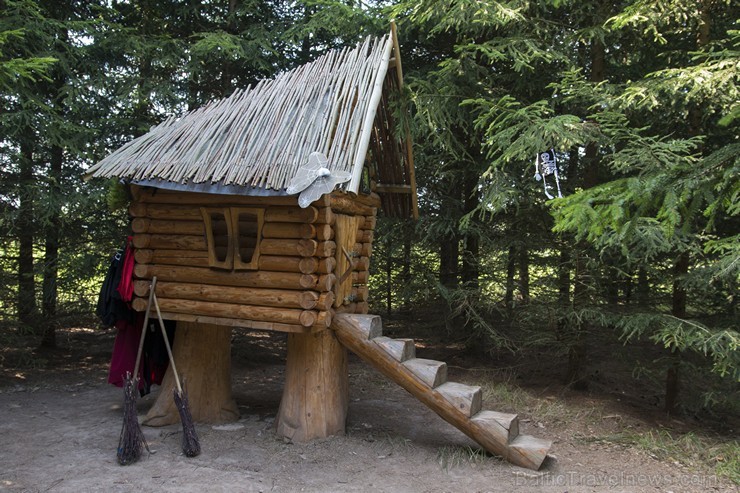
(258,211)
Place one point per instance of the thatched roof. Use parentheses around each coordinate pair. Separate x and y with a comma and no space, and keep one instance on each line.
(254,141)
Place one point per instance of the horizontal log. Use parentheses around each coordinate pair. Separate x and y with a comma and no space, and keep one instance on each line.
(364,236)
(326,216)
(137,209)
(163,196)
(348,308)
(287,298)
(174,212)
(325,301)
(324,232)
(370,200)
(343,204)
(360,277)
(167,226)
(366,250)
(252,279)
(308,318)
(362,264)
(288,230)
(291,215)
(165,211)
(326,249)
(239,323)
(370,222)
(360,293)
(147,256)
(288,247)
(325,282)
(283,263)
(231,310)
(327,265)
(170,242)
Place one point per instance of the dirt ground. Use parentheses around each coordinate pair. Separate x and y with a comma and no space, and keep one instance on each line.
(60,424)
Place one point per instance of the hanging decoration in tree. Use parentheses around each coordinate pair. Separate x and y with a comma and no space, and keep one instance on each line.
(314,179)
(546,165)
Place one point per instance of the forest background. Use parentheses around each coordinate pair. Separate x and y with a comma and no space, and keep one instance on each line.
(638,99)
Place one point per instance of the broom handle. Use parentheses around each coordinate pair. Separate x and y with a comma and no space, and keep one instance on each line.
(143,328)
(167,344)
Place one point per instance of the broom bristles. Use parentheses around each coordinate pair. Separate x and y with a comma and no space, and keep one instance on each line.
(132,441)
(190,443)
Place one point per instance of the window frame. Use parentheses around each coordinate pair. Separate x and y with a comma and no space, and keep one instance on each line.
(233,259)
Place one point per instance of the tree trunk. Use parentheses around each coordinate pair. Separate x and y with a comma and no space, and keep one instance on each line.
(316,393)
(448,262)
(523,264)
(577,342)
(202,354)
(408,232)
(51,251)
(389,274)
(564,277)
(25,223)
(510,273)
(471,250)
(643,288)
(680,269)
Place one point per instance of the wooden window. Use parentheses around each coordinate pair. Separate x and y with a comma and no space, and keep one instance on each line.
(247,227)
(233,236)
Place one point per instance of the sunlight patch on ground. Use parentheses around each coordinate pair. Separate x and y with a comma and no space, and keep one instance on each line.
(81,330)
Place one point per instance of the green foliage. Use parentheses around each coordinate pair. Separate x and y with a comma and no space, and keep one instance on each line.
(118,196)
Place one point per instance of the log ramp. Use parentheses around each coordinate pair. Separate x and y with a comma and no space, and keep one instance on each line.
(458,404)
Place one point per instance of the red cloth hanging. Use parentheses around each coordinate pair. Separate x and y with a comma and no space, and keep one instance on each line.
(126,286)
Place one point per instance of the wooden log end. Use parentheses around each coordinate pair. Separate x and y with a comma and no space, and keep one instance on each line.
(431,372)
(466,398)
(400,349)
(529,451)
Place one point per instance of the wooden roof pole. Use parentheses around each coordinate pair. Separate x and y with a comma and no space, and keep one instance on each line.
(367,124)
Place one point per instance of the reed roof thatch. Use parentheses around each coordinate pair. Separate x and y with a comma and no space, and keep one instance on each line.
(254,141)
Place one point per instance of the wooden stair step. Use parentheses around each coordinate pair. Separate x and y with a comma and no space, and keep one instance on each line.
(370,326)
(468,399)
(532,450)
(504,427)
(400,349)
(429,371)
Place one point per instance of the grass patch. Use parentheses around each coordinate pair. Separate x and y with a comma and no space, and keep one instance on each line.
(688,449)
(451,456)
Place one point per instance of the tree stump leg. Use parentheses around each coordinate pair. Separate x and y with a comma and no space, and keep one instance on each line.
(202,355)
(316,393)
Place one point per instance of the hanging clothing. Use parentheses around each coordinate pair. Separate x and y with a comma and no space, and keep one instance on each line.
(126,284)
(114,309)
(154,357)
(111,307)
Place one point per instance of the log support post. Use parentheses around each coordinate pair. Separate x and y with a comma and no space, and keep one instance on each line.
(316,393)
(202,355)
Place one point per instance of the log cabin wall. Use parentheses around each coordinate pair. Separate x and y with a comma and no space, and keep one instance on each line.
(363,208)
(294,287)
(291,289)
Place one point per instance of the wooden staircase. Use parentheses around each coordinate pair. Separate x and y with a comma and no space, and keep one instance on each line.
(458,404)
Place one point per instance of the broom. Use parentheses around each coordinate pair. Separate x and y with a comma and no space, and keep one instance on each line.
(190,443)
(132,440)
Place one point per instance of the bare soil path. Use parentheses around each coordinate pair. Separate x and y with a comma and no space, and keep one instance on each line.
(60,423)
